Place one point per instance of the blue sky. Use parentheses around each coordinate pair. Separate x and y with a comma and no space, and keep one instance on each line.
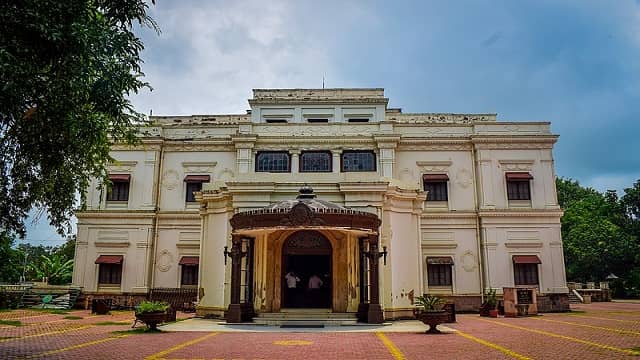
(574,63)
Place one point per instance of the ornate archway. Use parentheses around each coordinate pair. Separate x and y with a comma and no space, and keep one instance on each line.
(306,215)
(307,275)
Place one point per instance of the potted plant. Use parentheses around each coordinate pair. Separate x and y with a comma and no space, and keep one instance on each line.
(152,313)
(429,311)
(490,305)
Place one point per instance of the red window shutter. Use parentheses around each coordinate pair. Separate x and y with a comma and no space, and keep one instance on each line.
(109,259)
(518,176)
(526,259)
(435,177)
(197,178)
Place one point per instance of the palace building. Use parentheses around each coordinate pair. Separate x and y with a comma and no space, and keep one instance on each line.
(326,199)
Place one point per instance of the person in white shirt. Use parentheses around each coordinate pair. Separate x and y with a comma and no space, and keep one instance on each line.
(292,280)
(315,282)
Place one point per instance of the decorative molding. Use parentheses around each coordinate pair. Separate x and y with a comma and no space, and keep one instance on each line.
(516,165)
(316,130)
(199,166)
(164,261)
(112,244)
(187,245)
(468,261)
(463,178)
(431,118)
(122,166)
(433,166)
(523,244)
(439,245)
(170,179)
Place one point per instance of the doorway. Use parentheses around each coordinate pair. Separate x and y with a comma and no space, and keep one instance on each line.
(306,271)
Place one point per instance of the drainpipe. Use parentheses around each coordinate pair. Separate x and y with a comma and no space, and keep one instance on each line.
(154,243)
(477,218)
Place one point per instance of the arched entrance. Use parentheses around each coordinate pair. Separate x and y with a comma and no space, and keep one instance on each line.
(306,270)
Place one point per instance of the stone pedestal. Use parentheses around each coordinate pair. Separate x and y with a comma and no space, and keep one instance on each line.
(520,301)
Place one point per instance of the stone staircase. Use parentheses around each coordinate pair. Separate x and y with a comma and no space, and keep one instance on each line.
(573,298)
(60,297)
(306,318)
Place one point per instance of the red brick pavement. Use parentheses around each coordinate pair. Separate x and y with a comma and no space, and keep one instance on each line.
(603,331)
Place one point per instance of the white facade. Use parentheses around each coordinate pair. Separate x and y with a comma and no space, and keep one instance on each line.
(478,227)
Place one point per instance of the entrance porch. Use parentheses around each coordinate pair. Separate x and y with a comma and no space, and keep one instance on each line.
(304,254)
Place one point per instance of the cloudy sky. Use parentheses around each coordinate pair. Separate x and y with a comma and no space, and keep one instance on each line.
(574,63)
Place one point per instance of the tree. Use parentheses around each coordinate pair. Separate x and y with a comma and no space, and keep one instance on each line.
(66,69)
(10,266)
(56,269)
(598,235)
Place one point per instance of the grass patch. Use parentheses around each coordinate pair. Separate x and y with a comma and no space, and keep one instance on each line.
(141,330)
(73,317)
(11,322)
(106,323)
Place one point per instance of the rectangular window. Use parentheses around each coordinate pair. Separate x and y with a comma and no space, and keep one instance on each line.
(119,190)
(193,185)
(276,121)
(358,161)
(358,120)
(525,274)
(436,186)
(189,275)
(273,161)
(439,274)
(110,274)
(518,186)
(315,161)
(318,120)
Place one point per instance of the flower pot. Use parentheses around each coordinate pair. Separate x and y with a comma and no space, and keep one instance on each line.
(433,319)
(493,313)
(152,319)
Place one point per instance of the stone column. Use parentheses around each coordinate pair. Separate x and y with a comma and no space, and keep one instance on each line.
(336,160)
(295,161)
(234,313)
(374,314)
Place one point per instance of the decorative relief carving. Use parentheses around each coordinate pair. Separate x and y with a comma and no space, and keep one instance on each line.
(433,147)
(441,118)
(122,166)
(468,261)
(199,167)
(464,178)
(516,165)
(164,261)
(307,240)
(170,179)
(433,166)
(317,130)
(226,175)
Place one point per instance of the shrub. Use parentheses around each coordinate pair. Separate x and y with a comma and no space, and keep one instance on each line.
(151,307)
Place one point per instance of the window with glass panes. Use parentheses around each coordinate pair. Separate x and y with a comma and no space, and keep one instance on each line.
(525,274)
(110,274)
(192,187)
(315,161)
(436,186)
(273,161)
(189,275)
(439,274)
(358,161)
(119,191)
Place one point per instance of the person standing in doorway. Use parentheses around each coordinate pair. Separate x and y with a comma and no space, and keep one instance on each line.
(292,280)
(313,287)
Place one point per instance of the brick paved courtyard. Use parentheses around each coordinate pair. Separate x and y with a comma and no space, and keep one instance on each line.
(594,331)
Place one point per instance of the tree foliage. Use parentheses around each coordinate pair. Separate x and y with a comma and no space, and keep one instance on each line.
(36,261)
(66,70)
(600,234)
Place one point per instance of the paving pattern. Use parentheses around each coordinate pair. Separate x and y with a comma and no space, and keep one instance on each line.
(593,331)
